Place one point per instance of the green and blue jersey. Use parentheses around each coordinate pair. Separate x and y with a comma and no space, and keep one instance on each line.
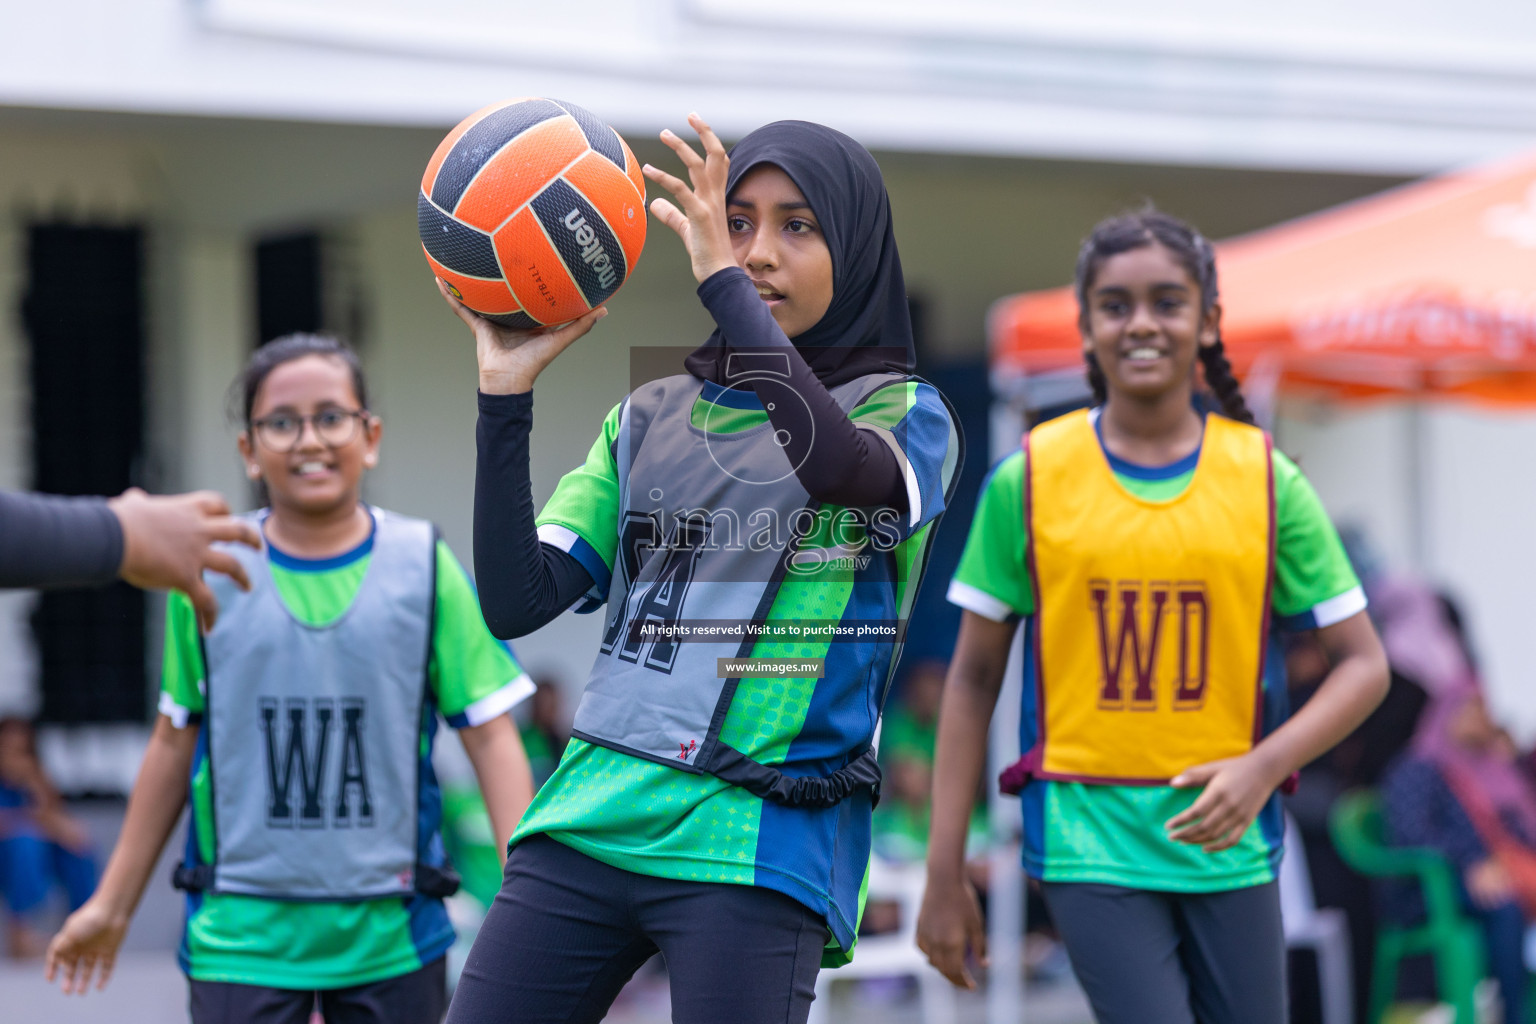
(655,820)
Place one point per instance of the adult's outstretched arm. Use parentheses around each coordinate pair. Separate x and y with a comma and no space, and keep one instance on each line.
(48,541)
(148,540)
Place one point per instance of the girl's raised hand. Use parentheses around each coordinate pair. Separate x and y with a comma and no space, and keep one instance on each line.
(701,222)
(510,360)
(1234,792)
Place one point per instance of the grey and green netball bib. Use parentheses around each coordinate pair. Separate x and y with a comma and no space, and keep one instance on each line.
(313,731)
(709,529)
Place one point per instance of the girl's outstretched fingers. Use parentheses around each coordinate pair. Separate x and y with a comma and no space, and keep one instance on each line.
(685,152)
(696,211)
(678,216)
(567,333)
(671,216)
(713,147)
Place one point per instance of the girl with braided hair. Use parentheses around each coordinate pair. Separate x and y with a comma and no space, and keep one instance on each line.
(1150,549)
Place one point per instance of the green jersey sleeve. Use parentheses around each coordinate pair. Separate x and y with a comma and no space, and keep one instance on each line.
(474,676)
(582,517)
(912,419)
(183,693)
(992,580)
(1315,586)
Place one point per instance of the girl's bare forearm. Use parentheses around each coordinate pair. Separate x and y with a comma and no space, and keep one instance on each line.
(970,695)
(159,793)
(1352,690)
(506,780)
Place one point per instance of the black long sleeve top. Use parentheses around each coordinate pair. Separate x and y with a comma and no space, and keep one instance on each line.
(48,541)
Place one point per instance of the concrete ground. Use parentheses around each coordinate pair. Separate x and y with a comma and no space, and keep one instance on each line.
(148,988)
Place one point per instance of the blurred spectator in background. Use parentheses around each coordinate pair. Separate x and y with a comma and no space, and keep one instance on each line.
(908,737)
(1422,649)
(1459,791)
(546,730)
(41,847)
(911,728)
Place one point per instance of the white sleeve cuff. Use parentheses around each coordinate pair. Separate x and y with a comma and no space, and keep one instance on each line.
(178,715)
(558,536)
(980,602)
(908,474)
(493,705)
(1337,609)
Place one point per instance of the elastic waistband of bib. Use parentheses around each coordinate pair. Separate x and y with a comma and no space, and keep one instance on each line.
(863,772)
(437,882)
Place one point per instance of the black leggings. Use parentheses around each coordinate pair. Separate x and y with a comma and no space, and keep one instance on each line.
(1174,958)
(566,932)
(414,998)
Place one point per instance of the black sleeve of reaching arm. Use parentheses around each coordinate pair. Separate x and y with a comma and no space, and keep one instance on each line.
(47,541)
(523,583)
(848,466)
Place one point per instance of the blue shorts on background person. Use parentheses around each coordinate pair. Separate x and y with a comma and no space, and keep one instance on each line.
(41,847)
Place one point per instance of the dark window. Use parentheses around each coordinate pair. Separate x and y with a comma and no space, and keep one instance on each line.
(84,318)
(288,286)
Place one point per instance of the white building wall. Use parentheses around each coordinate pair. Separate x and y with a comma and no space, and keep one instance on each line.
(1360,460)
(971,229)
(1368,85)
(211,325)
(1481,492)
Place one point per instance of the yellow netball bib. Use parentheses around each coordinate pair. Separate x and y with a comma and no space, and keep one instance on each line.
(1151,616)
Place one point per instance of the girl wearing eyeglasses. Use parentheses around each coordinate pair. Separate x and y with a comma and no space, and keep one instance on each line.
(304,720)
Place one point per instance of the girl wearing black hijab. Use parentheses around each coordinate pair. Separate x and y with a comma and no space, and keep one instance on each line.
(757,528)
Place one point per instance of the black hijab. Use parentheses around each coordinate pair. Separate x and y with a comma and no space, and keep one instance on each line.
(867,328)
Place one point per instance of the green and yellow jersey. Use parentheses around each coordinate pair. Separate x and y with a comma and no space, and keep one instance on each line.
(1113,834)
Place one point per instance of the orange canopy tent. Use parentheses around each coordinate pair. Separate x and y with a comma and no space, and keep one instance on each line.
(1427,290)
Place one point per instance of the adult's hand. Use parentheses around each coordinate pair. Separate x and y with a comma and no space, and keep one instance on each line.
(167,543)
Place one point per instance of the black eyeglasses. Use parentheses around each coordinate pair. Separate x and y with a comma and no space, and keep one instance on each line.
(281,431)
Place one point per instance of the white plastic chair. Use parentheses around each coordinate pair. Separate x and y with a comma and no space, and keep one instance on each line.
(893,955)
(1324,931)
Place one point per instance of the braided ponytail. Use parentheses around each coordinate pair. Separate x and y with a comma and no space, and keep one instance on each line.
(1130,231)
(1223,383)
(1096,382)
